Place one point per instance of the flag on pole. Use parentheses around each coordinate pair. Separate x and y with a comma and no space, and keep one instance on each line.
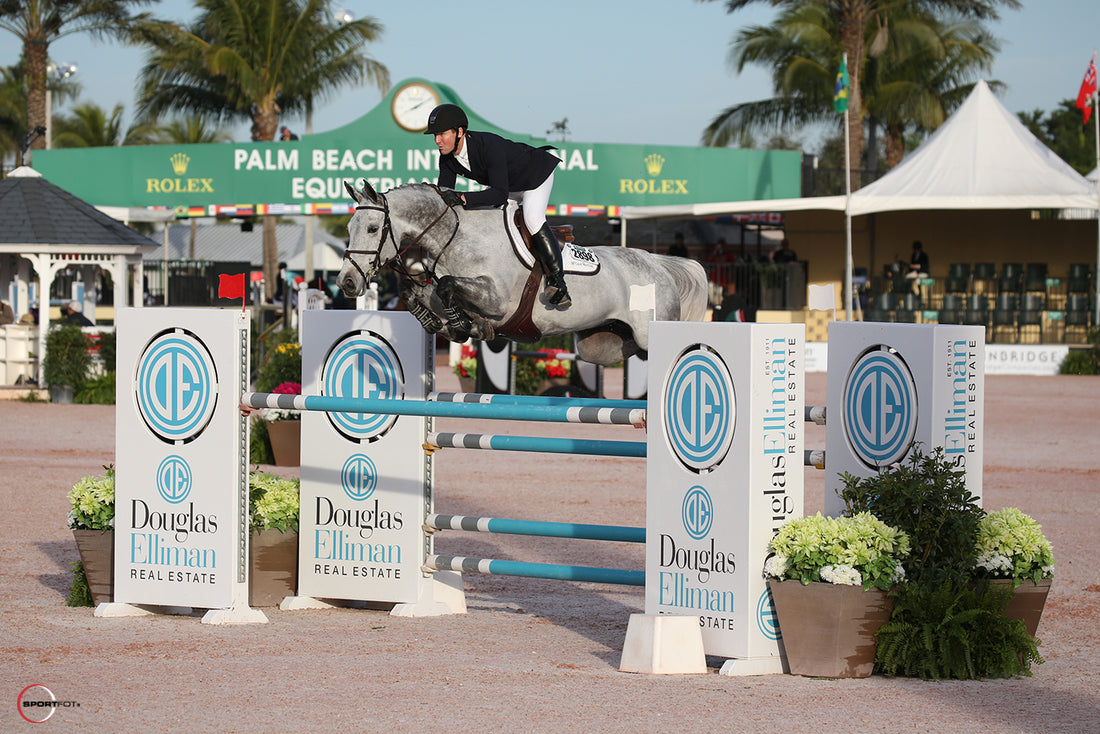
(822,297)
(840,96)
(231,286)
(1088,89)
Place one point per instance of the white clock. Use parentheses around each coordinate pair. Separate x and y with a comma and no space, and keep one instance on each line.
(412,104)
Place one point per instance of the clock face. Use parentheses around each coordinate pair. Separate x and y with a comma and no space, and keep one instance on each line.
(412,104)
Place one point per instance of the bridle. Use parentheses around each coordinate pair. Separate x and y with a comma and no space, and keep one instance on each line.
(387,231)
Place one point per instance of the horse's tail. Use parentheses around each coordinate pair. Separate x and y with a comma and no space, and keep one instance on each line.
(691,280)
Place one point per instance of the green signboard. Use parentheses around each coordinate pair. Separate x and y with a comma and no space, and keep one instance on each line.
(386,148)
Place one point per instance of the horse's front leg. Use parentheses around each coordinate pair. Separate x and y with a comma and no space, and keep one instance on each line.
(459,325)
(418,298)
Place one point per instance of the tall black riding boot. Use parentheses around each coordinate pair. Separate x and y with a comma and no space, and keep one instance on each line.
(548,252)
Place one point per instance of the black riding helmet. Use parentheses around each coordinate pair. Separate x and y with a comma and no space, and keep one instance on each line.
(446,117)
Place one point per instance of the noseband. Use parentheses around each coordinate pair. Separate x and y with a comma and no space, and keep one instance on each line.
(387,231)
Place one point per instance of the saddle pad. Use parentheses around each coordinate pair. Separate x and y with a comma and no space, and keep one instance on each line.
(576,260)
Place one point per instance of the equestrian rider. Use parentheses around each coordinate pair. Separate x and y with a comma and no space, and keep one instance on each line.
(509,170)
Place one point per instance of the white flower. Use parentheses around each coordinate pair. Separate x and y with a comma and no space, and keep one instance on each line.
(995,563)
(775,566)
(841,575)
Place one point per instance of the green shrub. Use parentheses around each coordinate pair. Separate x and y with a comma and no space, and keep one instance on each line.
(108,348)
(67,360)
(97,391)
(926,498)
(951,630)
(1079,362)
(80,595)
(259,444)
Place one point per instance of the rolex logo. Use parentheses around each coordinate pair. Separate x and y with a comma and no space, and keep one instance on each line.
(180,161)
(653,164)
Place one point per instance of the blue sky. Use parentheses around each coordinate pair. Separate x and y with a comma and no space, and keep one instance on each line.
(645,71)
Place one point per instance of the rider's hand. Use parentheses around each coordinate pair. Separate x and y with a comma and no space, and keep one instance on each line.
(451,198)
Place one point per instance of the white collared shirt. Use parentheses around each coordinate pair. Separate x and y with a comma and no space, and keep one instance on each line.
(463,156)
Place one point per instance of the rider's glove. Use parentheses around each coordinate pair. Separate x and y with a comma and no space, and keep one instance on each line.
(451,198)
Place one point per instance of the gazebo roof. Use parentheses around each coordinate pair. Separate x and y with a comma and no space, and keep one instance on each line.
(36,214)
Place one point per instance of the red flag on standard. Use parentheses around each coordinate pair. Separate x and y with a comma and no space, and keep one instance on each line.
(231,286)
(1088,89)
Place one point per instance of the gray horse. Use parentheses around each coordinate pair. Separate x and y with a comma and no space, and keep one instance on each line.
(474,284)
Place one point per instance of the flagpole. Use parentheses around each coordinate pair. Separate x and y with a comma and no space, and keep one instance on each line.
(847,215)
(1096,274)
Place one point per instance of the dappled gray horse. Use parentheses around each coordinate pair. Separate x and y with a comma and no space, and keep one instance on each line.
(474,284)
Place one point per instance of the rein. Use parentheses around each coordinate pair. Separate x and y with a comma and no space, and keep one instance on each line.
(387,231)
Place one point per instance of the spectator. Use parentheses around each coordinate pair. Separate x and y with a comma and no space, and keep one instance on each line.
(678,248)
(720,262)
(918,262)
(7,315)
(784,254)
(73,313)
(285,134)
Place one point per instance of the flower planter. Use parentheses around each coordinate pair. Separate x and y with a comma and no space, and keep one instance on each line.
(61,394)
(97,553)
(286,442)
(467,384)
(1027,602)
(828,630)
(273,567)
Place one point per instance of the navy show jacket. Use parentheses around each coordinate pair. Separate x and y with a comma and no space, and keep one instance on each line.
(503,165)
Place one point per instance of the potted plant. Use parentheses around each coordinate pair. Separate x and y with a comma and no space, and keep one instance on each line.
(1012,551)
(943,625)
(273,503)
(92,520)
(282,373)
(66,363)
(284,428)
(828,578)
(466,368)
(551,371)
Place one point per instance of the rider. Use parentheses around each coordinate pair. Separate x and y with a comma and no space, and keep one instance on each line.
(509,170)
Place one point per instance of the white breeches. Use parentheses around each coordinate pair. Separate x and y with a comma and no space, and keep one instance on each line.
(534,203)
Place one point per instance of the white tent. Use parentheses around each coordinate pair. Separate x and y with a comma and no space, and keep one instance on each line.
(982,157)
(327,257)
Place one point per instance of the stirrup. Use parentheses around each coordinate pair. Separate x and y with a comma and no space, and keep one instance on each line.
(557,294)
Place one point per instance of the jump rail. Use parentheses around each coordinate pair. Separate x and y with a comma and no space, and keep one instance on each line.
(541,528)
(543,444)
(546,413)
(535,570)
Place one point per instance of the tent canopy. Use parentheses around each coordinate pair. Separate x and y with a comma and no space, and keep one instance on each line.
(982,157)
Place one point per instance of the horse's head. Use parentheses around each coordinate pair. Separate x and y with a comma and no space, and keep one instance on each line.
(370,240)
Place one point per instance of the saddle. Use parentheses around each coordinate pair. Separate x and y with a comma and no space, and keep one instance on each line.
(520,325)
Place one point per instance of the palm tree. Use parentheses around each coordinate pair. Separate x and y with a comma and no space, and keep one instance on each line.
(253,60)
(925,76)
(89,127)
(13,109)
(38,23)
(854,21)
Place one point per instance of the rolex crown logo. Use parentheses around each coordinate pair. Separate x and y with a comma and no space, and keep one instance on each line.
(653,163)
(179,163)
